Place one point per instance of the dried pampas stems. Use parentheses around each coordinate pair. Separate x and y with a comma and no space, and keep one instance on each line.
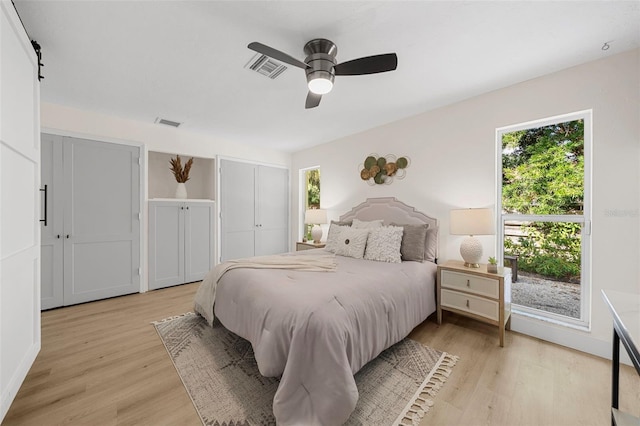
(182,175)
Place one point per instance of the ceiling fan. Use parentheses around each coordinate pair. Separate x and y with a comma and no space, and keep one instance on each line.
(321,67)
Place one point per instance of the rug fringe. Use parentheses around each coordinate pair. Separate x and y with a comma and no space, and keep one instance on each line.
(186,314)
(419,405)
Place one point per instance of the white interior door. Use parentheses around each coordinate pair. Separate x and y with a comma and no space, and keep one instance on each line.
(101,220)
(51,241)
(237,206)
(272,211)
(19,206)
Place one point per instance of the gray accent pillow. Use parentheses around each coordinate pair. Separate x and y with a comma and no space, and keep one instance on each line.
(414,242)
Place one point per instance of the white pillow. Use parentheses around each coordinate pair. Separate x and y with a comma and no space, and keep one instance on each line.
(384,244)
(352,242)
(361,224)
(333,236)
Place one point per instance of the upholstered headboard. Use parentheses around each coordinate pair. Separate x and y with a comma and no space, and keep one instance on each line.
(390,210)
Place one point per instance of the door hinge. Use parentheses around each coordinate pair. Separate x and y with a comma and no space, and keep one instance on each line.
(139,216)
(139,161)
(140,271)
(587,227)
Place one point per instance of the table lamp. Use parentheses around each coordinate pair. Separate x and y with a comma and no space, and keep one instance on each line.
(471,222)
(315,217)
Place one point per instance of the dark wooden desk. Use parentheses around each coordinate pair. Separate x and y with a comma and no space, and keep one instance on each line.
(625,308)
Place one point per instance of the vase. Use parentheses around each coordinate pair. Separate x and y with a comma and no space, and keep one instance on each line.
(492,268)
(181,191)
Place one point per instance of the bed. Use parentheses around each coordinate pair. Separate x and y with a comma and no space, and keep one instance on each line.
(316,329)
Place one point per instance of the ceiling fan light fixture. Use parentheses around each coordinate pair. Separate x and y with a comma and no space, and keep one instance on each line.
(320,82)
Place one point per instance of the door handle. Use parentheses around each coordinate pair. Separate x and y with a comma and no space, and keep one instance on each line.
(58,236)
(45,205)
(67,236)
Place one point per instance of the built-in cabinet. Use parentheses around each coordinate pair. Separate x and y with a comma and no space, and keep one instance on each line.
(181,241)
(90,241)
(254,210)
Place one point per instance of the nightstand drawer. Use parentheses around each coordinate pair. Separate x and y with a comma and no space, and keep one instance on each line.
(472,304)
(469,283)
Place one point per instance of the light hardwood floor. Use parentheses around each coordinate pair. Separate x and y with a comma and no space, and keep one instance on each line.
(102,363)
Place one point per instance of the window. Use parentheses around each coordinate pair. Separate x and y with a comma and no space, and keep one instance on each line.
(310,195)
(545,221)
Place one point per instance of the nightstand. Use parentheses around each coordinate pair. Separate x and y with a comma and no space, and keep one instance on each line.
(308,245)
(475,293)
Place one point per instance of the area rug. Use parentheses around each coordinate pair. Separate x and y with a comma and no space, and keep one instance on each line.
(220,373)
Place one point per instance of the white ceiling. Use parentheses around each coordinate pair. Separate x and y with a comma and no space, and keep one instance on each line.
(184,60)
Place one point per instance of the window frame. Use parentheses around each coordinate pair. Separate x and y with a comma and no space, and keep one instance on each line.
(584,322)
(302,193)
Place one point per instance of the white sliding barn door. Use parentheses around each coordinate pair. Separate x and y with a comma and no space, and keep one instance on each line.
(19,205)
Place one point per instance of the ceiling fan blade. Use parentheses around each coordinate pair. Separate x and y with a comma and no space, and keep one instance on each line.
(276,54)
(368,65)
(313,100)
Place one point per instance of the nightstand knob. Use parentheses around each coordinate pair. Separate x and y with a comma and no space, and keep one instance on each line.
(467,303)
(468,283)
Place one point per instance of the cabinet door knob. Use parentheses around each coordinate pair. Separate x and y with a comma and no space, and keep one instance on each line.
(67,236)
(58,236)
(468,284)
(187,207)
(467,303)
(181,208)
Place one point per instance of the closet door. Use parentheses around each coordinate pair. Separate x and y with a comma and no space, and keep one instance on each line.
(101,220)
(272,211)
(198,240)
(51,242)
(166,243)
(237,207)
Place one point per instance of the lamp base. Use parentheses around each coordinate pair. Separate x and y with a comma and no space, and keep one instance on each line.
(316,234)
(471,252)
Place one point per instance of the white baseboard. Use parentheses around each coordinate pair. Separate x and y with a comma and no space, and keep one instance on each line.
(12,388)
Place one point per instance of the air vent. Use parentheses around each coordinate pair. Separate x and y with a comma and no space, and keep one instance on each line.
(167,122)
(266,66)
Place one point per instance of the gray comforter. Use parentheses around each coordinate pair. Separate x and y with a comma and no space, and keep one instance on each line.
(317,329)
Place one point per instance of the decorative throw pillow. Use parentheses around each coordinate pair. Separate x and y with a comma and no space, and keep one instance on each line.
(342,222)
(384,243)
(352,242)
(361,224)
(333,236)
(414,241)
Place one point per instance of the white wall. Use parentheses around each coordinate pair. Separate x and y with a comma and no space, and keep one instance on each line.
(155,137)
(453,151)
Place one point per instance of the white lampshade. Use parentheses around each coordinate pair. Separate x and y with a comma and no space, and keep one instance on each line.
(471,222)
(315,217)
